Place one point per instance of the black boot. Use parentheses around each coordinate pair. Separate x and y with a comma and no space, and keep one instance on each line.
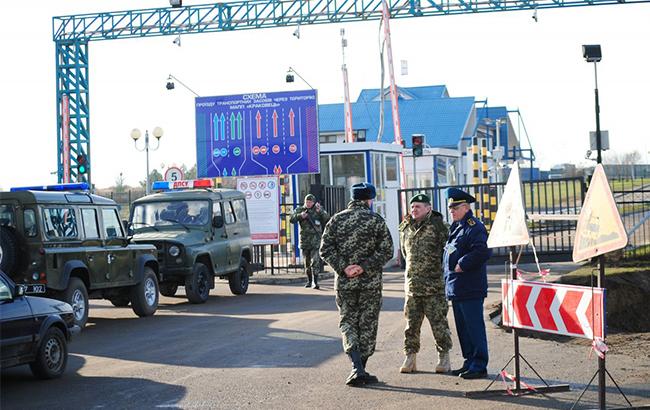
(358,373)
(316,281)
(369,379)
(308,284)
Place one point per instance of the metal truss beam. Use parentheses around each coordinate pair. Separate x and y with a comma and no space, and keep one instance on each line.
(252,14)
(71,35)
(72,80)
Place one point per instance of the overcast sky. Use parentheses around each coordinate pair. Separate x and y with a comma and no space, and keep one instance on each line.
(508,58)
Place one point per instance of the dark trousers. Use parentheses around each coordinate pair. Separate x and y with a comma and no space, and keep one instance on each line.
(470,326)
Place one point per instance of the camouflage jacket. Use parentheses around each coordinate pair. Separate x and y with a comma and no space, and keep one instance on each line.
(311,228)
(422,245)
(357,236)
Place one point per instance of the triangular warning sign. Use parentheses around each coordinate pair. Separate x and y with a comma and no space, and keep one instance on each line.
(600,229)
(509,227)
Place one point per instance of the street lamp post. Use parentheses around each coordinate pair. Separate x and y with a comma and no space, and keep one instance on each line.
(593,54)
(136,134)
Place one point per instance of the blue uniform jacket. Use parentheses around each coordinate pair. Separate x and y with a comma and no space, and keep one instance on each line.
(466,246)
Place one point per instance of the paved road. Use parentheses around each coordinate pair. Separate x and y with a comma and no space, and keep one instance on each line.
(279,347)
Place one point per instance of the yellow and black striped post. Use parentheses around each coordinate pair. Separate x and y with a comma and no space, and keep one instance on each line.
(485,200)
(476,173)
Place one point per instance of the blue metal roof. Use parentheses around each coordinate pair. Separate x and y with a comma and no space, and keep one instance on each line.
(427,92)
(491,112)
(441,120)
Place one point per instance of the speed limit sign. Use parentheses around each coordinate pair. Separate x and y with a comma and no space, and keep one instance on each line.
(173,174)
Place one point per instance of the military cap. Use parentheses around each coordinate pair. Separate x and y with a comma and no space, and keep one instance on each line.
(310,197)
(421,198)
(363,191)
(456,197)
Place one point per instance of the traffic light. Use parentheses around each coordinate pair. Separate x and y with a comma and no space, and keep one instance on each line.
(418,141)
(82,164)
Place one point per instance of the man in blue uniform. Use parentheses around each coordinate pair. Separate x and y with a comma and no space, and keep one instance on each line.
(464,260)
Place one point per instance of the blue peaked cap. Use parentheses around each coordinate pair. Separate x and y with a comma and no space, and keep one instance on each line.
(456,196)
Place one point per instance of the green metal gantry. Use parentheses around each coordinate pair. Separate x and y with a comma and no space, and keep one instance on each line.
(71,35)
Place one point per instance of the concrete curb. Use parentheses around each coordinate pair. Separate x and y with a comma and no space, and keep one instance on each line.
(285,279)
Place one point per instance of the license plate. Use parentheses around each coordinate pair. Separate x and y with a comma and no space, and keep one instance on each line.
(35,289)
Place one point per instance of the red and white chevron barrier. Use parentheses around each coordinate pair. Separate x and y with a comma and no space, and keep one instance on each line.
(568,310)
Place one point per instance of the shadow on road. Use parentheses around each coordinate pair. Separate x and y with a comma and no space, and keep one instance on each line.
(20,390)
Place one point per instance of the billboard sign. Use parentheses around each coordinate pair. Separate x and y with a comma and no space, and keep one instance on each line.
(257,134)
(263,203)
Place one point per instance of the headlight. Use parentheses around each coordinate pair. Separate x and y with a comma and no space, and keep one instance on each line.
(35,276)
(174,251)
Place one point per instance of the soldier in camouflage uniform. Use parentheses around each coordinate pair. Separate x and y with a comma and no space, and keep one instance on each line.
(312,218)
(357,244)
(423,235)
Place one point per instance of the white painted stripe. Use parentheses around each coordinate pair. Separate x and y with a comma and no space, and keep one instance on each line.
(581,313)
(530,305)
(555,310)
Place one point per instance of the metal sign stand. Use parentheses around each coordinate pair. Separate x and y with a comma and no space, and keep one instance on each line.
(517,391)
(602,369)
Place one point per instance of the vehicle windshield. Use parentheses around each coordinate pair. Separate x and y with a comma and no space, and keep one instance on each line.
(155,214)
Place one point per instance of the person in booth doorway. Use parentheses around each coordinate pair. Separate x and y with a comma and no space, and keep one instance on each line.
(357,244)
(423,235)
(312,219)
(464,263)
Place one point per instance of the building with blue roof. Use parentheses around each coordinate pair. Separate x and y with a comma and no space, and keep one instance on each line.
(448,124)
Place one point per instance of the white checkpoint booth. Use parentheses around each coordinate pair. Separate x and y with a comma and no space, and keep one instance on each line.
(346,164)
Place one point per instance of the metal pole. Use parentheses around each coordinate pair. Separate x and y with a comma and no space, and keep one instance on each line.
(601,259)
(599,159)
(146,148)
(415,180)
(515,332)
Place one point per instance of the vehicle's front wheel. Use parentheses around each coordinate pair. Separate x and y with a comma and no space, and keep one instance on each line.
(197,285)
(52,355)
(168,288)
(144,295)
(76,296)
(238,280)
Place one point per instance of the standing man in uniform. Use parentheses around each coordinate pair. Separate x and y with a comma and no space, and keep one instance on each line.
(466,255)
(423,235)
(357,245)
(312,218)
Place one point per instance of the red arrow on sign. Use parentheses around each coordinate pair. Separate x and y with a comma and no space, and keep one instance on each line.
(275,124)
(292,130)
(258,120)
(576,311)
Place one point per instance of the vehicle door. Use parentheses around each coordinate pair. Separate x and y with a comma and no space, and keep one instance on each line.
(242,228)
(95,253)
(219,247)
(233,247)
(120,259)
(62,234)
(17,325)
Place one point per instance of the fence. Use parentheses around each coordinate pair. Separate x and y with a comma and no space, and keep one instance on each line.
(632,198)
(553,238)
(553,206)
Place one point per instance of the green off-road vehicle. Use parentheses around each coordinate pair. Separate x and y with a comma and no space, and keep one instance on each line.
(200,233)
(74,243)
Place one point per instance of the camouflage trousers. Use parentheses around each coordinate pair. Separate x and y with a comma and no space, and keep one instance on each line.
(359,319)
(312,260)
(435,308)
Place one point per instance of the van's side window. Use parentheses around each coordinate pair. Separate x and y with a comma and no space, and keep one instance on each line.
(60,222)
(230,215)
(112,225)
(89,217)
(29,218)
(240,209)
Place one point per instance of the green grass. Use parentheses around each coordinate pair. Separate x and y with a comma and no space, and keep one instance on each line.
(586,271)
